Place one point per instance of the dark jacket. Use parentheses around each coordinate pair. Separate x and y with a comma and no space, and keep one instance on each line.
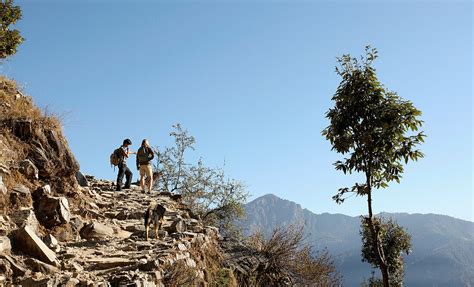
(144,156)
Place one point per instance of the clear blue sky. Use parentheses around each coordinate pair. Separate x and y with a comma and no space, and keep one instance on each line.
(252,80)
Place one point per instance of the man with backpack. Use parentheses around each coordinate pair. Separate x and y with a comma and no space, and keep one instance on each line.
(122,154)
(144,157)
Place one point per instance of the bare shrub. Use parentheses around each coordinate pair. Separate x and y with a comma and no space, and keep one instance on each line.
(179,275)
(290,262)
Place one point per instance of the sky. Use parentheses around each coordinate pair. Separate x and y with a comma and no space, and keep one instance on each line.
(252,81)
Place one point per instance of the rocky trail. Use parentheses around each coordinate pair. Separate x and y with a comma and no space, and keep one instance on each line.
(109,248)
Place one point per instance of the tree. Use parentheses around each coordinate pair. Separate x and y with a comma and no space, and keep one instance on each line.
(377,129)
(209,193)
(9,39)
(394,240)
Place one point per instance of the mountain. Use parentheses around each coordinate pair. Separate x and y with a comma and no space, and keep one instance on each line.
(443,246)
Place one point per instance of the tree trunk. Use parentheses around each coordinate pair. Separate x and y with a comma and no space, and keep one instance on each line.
(375,237)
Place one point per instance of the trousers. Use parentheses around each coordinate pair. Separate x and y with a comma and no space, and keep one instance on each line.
(124,170)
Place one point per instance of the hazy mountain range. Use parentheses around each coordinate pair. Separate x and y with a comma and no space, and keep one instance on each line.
(443,246)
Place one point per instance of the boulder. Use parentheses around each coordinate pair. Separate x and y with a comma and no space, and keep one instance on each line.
(81,179)
(28,242)
(25,217)
(28,168)
(5,245)
(96,230)
(52,211)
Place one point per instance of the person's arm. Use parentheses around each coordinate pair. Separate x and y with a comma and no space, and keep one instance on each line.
(151,154)
(123,152)
(138,163)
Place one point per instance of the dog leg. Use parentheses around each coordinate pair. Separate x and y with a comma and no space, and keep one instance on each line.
(146,229)
(155,226)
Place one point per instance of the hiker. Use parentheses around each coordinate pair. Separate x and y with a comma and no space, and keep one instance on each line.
(144,156)
(123,153)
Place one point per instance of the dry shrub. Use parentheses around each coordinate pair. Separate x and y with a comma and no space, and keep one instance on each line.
(179,275)
(209,257)
(224,278)
(16,106)
(290,262)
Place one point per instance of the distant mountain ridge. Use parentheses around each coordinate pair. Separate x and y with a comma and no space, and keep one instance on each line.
(443,247)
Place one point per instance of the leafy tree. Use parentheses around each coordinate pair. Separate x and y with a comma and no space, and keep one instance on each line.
(377,129)
(9,39)
(216,198)
(394,240)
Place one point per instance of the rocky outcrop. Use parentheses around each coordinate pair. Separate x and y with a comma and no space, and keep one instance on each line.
(32,143)
(110,246)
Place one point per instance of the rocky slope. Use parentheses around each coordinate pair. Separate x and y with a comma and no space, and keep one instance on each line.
(108,246)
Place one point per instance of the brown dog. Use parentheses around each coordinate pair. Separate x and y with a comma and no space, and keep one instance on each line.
(154,214)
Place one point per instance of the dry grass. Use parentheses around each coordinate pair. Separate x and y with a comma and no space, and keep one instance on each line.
(179,275)
(16,106)
(209,257)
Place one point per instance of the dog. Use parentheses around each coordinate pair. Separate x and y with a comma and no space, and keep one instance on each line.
(154,214)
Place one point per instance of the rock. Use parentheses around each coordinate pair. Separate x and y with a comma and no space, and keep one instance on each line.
(150,265)
(20,196)
(5,269)
(120,233)
(52,211)
(190,262)
(42,191)
(15,267)
(81,179)
(110,262)
(177,226)
(77,223)
(25,217)
(41,282)
(72,282)
(3,188)
(96,230)
(5,245)
(28,242)
(28,168)
(52,243)
(38,266)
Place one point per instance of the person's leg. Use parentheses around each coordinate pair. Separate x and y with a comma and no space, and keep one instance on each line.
(142,178)
(128,177)
(150,177)
(120,174)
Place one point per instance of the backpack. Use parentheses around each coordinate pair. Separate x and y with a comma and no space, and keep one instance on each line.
(115,157)
(143,155)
